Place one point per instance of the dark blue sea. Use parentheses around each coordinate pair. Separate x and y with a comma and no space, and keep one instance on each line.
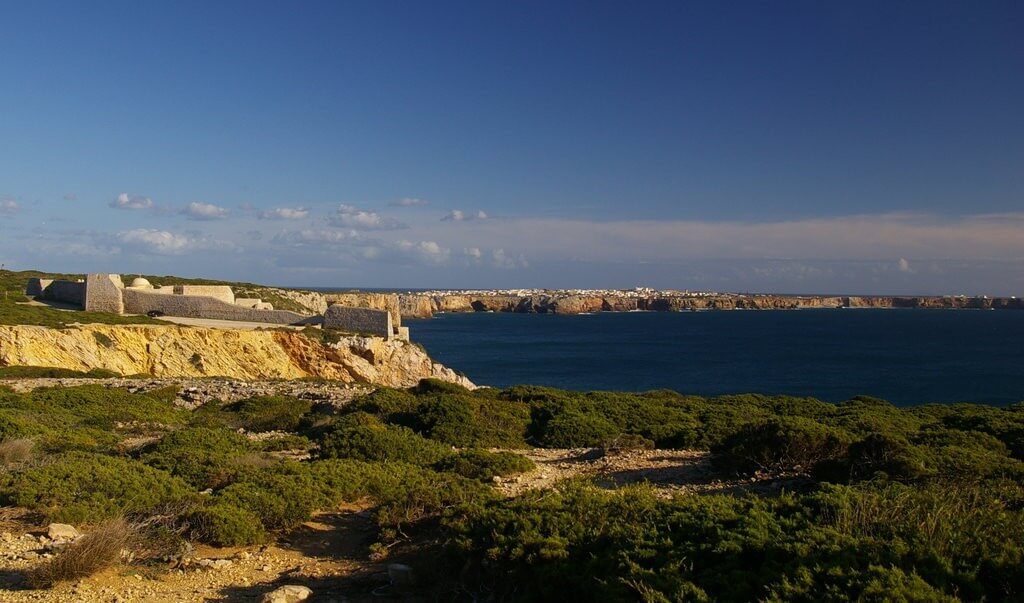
(905,356)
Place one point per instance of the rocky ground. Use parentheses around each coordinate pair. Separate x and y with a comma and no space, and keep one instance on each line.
(328,555)
(669,471)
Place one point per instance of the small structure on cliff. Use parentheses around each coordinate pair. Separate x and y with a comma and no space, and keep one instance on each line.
(107,293)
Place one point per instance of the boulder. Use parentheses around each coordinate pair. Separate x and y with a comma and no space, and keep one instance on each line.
(291,593)
(62,531)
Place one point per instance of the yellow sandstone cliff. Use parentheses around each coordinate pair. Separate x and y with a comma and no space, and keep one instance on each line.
(174,351)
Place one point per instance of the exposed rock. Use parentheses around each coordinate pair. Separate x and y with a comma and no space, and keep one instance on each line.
(577,304)
(174,351)
(375,301)
(61,531)
(215,564)
(415,306)
(291,593)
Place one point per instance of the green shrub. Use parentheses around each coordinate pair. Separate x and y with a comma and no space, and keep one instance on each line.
(574,430)
(270,413)
(222,524)
(839,544)
(790,444)
(892,456)
(82,487)
(82,439)
(99,407)
(389,405)
(467,420)
(282,496)
(437,386)
(202,457)
(485,466)
(52,372)
(167,394)
(14,425)
(390,443)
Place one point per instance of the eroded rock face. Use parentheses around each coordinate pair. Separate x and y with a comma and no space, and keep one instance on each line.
(173,351)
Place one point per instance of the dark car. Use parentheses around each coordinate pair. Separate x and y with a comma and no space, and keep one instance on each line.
(154,314)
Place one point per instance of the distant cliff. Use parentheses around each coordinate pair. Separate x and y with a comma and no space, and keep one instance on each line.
(171,351)
(424,305)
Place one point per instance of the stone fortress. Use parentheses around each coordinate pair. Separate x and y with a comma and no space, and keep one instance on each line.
(107,293)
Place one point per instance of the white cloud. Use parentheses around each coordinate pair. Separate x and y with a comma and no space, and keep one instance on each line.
(284,213)
(410,202)
(126,201)
(158,242)
(350,216)
(473,253)
(427,252)
(8,207)
(204,211)
(904,266)
(457,215)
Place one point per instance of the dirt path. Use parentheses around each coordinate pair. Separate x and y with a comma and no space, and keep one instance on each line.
(669,471)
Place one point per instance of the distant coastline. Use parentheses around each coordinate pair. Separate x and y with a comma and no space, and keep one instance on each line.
(426,304)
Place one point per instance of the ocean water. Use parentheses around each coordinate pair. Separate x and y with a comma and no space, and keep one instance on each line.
(905,356)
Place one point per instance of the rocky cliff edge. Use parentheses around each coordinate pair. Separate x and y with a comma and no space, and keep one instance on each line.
(173,351)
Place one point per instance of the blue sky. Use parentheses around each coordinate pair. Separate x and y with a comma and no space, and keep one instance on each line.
(865,147)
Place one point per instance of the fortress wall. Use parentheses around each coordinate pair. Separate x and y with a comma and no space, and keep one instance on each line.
(36,286)
(377,301)
(221,292)
(68,292)
(364,321)
(137,301)
(103,293)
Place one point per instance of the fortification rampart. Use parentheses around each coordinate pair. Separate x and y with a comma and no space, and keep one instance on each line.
(139,301)
(221,292)
(363,321)
(67,292)
(376,301)
(376,315)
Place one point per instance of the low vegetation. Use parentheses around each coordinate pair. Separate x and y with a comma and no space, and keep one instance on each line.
(882,503)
